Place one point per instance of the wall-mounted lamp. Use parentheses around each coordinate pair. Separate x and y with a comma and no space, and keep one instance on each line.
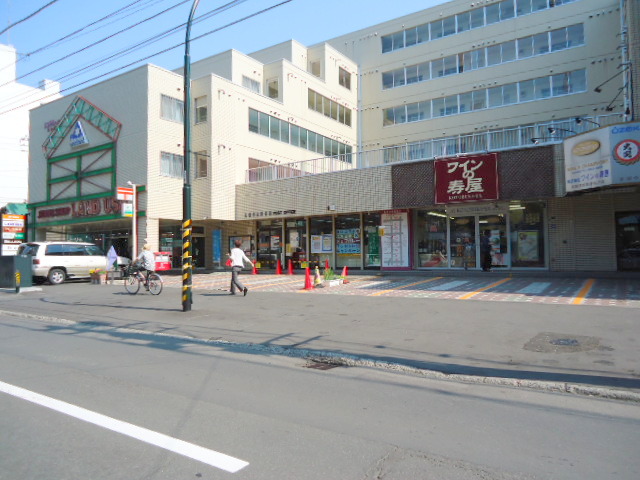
(554,130)
(579,121)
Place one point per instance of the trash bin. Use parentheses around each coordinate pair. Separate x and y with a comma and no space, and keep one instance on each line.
(15,270)
(163,261)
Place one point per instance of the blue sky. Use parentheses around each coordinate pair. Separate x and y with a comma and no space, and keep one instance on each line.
(302,20)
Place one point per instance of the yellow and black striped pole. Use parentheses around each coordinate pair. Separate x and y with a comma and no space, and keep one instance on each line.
(186,266)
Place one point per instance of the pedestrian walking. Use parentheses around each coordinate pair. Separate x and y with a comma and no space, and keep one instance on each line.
(485,251)
(238,257)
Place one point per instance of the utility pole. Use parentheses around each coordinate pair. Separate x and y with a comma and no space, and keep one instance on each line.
(187,262)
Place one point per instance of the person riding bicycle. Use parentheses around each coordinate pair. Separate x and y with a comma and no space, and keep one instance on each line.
(147,263)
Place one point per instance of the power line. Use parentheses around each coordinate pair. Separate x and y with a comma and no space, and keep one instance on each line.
(98,42)
(28,16)
(129,50)
(210,32)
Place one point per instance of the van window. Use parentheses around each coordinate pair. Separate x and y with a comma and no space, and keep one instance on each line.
(56,249)
(28,249)
(94,250)
(74,250)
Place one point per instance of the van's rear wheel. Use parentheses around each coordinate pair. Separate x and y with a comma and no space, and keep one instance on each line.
(56,276)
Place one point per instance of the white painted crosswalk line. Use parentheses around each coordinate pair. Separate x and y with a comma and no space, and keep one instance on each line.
(196,452)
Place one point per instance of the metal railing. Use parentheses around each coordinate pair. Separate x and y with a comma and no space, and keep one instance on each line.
(490,141)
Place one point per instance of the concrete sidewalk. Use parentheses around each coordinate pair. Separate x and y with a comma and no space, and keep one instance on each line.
(581,349)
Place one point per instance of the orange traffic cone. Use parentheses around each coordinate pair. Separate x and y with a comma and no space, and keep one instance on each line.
(345,273)
(290,269)
(308,283)
(279,268)
(326,264)
(255,269)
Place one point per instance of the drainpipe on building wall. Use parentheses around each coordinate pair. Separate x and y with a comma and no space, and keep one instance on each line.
(359,133)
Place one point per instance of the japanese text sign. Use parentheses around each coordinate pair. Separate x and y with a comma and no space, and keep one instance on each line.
(466,179)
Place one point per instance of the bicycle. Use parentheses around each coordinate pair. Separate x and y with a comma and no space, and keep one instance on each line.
(133,278)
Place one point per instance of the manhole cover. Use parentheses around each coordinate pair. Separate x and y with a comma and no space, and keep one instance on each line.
(565,342)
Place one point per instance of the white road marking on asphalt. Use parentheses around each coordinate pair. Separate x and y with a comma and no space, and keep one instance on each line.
(535,288)
(196,452)
(448,285)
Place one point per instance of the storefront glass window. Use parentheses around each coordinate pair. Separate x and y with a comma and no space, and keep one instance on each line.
(431,238)
(171,241)
(371,240)
(321,231)
(527,235)
(348,241)
(296,246)
(269,243)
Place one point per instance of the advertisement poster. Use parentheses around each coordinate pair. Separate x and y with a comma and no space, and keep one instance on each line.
(348,241)
(322,243)
(395,239)
(216,244)
(528,246)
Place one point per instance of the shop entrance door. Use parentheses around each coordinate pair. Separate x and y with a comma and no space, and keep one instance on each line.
(495,226)
(628,240)
(462,244)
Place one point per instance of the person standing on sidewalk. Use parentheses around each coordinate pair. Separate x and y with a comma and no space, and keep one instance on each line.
(238,258)
(485,251)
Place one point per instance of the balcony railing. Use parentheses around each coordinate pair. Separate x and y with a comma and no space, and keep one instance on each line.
(489,141)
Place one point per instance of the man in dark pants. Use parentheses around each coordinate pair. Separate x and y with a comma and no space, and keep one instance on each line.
(485,251)
(238,258)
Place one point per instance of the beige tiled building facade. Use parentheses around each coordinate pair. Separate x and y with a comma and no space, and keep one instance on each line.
(433,141)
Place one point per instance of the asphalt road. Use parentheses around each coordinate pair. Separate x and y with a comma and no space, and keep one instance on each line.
(142,394)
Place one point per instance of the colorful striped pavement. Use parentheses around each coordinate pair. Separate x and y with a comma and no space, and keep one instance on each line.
(548,290)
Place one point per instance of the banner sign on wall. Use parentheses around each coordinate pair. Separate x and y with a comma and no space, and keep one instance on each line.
(466,179)
(603,157)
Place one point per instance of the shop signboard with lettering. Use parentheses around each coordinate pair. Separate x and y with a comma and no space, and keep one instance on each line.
(14,232)
(603,157)
(472,178)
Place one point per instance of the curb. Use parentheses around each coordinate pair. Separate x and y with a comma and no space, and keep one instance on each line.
(345,360)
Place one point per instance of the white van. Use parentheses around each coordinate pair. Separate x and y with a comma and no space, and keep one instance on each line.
(58,261)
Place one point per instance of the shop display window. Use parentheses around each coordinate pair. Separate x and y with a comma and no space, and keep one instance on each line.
(431,239)
(321,232)
(371,240)
(348,241)
(527,235)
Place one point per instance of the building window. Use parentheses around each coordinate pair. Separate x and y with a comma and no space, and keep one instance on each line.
(171,109)
(202,164)
(524,47)
(251,84)
(344,78)
(557,85)
(171,165)
(272,88)
(476,18)
(314,68)
(329,108)
(283,131)
(200,106)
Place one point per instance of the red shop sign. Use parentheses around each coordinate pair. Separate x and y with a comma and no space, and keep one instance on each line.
(467,179)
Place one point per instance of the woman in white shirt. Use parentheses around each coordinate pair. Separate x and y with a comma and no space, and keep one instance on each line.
(238,258)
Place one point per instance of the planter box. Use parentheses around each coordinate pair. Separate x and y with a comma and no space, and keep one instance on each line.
(99,279)
(333,283)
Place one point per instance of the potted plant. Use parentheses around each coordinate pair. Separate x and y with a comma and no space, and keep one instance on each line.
(331,279)
(98,276)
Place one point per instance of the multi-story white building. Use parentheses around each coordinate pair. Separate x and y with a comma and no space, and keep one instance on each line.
(15,101)
(393,147)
